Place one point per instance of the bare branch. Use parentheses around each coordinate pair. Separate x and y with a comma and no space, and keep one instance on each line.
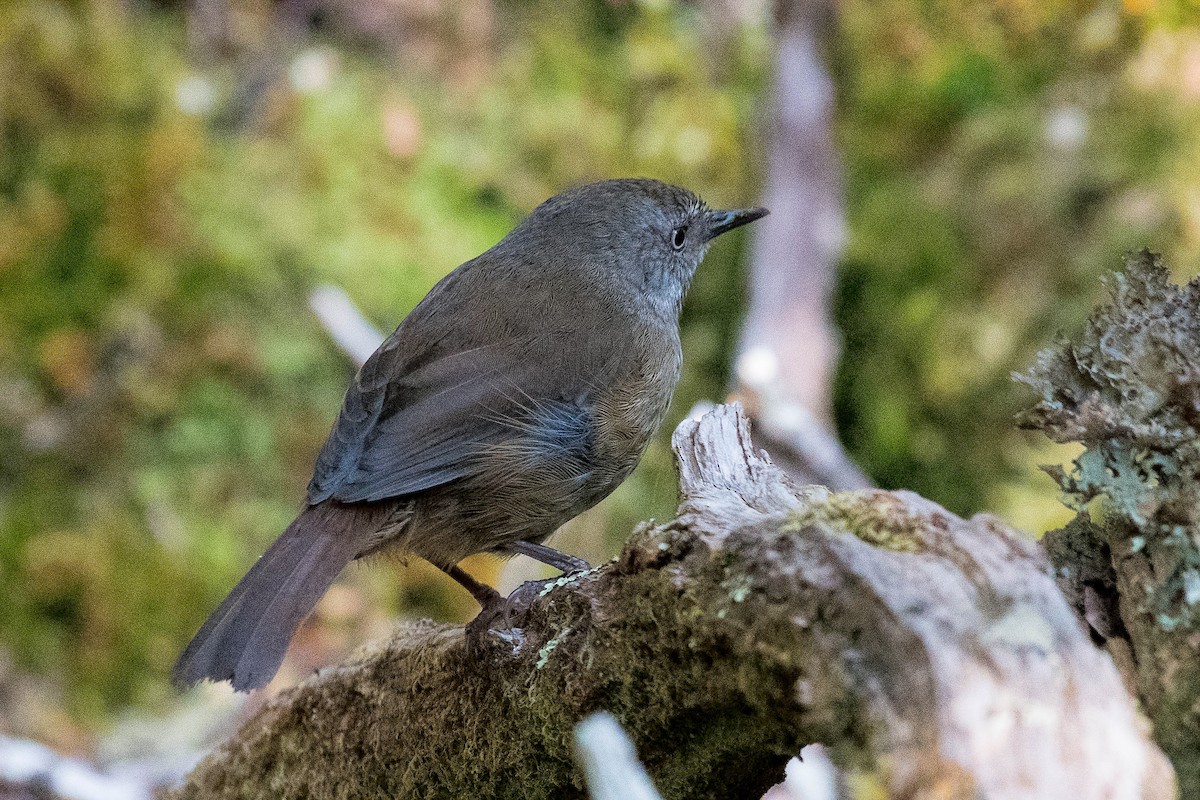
(352,331)
(609,762)
(789,347)
(794,252)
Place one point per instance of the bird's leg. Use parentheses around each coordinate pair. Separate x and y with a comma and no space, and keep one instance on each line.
(486,596)
(566,564)
(492,607)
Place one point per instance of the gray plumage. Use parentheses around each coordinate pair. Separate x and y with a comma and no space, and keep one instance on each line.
(520,392)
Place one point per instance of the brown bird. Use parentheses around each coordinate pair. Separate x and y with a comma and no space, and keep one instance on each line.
(519,393)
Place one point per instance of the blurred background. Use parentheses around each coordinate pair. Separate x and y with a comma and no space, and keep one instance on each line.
(177,178)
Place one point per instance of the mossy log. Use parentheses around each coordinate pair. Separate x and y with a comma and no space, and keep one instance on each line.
(934,655)
(1128,388)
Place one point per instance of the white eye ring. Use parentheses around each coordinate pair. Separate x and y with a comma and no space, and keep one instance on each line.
(679,237)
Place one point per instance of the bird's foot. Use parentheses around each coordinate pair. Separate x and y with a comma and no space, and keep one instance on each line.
(483,637)
(495,625)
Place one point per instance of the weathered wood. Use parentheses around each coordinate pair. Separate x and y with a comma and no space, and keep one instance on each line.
(934,655)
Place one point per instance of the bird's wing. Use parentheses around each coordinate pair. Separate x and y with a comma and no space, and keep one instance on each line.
(410,423)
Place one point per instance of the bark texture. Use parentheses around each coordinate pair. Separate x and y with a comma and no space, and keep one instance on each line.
(935,655)
(1128,388)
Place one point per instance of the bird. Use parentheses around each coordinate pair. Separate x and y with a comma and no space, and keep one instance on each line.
(521,391)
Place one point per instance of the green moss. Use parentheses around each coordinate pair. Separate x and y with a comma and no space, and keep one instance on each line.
(875,517)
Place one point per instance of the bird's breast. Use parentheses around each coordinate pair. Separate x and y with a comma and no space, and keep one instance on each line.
(632,408)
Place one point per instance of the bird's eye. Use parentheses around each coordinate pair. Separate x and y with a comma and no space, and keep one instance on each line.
(677,237)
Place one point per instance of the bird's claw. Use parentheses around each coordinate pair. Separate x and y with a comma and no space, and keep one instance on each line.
(494,624)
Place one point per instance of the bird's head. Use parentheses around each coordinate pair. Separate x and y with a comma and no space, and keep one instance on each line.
(641,231)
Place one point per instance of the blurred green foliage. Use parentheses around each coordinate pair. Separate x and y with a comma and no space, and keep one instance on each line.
(999,158)
(172,187)
(164,214)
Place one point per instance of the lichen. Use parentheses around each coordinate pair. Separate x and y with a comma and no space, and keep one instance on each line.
(1022,625)
(565,580)
(739,587)
(545,650)
(1128,389)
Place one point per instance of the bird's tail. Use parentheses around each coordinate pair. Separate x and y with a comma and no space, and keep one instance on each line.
(245,639)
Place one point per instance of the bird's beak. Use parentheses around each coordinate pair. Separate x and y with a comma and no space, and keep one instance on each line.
(721,221)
